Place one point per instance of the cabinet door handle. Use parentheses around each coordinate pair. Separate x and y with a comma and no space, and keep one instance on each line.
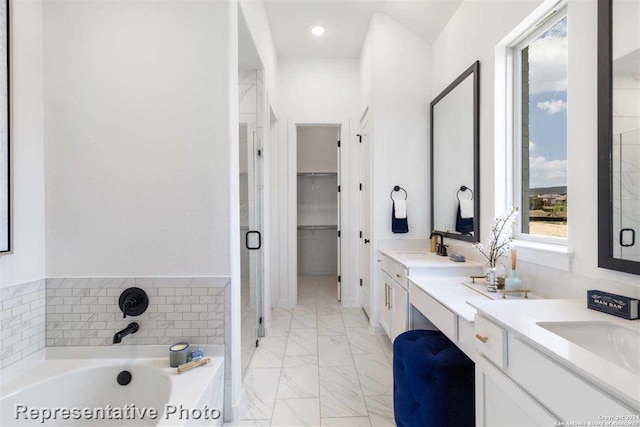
(385,295)
(482,338)
(390,306)
(387,292)
(399,276)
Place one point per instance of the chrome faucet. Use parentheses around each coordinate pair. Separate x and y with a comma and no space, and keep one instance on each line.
(442,248)
(132,328)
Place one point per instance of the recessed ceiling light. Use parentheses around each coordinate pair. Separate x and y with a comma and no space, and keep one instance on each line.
(317,30)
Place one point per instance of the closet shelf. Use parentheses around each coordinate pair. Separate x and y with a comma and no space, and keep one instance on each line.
(317,227)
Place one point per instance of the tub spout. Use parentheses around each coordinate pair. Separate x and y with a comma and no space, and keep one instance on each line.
(132,328)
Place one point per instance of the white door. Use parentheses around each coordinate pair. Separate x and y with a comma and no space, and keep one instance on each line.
(365,215)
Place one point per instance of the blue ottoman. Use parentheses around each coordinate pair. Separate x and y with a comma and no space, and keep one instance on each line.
(433,381)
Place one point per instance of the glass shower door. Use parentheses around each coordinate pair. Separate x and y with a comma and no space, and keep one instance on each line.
(251,232)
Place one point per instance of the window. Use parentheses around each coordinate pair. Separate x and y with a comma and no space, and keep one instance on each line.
(540,130)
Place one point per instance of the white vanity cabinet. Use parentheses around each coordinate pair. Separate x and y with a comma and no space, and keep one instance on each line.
(517,385)
(394,298)
(385,307)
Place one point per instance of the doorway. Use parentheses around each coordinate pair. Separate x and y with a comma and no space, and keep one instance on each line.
(318,213)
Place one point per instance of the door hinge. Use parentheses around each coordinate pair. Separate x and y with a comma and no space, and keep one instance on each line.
(260,320)
(257,343)
(339,279)
(361,234)
(338,233)
(338,144)
(360,282)
(338,188)
(359,138)
(360,186)
(259,152)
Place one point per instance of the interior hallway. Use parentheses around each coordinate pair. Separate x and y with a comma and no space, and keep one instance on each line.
(319,366)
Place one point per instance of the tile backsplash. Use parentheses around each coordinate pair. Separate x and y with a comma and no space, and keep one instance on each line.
(22,314)
(85,311)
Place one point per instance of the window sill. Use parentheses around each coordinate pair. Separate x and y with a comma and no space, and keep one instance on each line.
(549,255)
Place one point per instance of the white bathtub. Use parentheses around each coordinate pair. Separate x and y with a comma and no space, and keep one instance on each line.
(88,389)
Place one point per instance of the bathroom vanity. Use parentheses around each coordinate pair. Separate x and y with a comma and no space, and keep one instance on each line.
(546,361)
(538,362)
(395,267)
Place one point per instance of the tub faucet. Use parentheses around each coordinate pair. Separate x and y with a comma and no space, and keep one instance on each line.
(132,328)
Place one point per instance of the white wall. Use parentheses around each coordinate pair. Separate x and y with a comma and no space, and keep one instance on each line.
(472,34)
(395,75)
(137,138)
(27,261)
(317,91)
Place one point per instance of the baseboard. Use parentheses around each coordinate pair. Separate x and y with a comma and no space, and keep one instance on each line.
(377,329)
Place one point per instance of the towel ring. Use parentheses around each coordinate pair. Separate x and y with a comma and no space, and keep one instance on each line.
(464,188)
(398,188)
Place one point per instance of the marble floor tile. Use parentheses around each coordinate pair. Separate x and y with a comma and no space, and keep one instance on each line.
(374,373)
(249,423)
(298,383)
(362,342)
(346,422)
(302,342)
(284,311)
(387,346)
(261,386)
(301,321)
(301,309)
(328,309)
(381,410)
(296,413)
(334,351)
(270,353)
(354,317)
(300,361)
(340,394)
(280,326)
(331,325)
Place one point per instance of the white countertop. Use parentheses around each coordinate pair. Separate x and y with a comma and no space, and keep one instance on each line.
(458,294)
(416,258)
(451,293)
(522,316)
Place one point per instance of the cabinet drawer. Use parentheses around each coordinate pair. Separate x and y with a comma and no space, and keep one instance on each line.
(438,314)
(401,276)
(466,338)
(576,399)
(389,266)
(491,340)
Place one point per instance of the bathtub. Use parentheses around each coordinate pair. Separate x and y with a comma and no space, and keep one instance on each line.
(85,392)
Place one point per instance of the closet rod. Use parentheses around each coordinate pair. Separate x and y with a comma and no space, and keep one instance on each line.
(317,227)
(317,173)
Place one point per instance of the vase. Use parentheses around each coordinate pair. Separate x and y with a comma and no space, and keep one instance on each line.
(492,278)
(513,283)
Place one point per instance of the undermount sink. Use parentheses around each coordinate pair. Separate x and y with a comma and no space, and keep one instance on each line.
(616,344)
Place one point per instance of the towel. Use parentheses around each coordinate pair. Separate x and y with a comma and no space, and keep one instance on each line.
(400,209)
(399,225)
(466,208)
(463,225)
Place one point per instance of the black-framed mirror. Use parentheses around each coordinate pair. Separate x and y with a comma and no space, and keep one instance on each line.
(455,158)
(619,135)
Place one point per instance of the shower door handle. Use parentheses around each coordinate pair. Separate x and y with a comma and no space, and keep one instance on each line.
(246,240)
(623,232)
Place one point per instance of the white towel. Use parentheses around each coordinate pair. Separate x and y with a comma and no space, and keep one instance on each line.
(401,209)
(466,208)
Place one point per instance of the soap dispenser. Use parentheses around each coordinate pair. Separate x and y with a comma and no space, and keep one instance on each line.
(513,283)
(434,241)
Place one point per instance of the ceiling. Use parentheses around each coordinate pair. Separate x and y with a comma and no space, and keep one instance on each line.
(347,21)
